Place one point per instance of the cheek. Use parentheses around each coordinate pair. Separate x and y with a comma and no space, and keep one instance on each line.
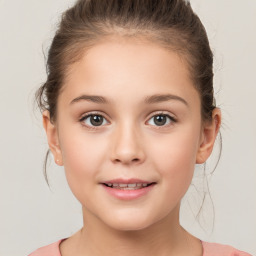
(175,158)
(82,159)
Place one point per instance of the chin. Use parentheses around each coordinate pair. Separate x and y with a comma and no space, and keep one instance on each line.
(129,226)
(129,222)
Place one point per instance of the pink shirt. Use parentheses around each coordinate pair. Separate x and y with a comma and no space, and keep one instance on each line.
(209,249)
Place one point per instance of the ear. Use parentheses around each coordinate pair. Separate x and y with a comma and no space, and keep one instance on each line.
(52,136)
(209,133)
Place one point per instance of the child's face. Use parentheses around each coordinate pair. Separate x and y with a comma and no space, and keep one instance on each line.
(129,143)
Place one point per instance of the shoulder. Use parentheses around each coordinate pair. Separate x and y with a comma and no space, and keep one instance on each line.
(214,249)
(48,250)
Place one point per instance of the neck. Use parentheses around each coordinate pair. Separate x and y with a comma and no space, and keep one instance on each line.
(165,237)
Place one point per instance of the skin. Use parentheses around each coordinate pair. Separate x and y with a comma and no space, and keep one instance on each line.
(130,144)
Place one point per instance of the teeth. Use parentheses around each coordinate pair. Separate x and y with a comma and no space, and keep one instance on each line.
(131,185)
(127,186)
(130,188)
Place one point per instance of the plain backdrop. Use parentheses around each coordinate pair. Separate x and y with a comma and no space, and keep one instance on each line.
(32,215)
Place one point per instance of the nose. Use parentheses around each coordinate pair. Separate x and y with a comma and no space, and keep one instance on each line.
(127,146)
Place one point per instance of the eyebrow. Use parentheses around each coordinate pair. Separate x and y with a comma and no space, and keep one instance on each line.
(162,98)
(156,98)
(92,98)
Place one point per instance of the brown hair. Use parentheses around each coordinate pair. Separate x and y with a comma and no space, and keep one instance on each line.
(169,23)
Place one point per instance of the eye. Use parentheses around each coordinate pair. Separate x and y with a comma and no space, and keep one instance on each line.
(161,120)
(93,120)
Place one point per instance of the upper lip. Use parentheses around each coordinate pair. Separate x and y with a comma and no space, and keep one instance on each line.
(127,181)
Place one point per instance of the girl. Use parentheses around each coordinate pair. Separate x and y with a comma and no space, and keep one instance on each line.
(128,109)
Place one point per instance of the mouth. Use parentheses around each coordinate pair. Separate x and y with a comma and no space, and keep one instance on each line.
(128,189)
(128,186)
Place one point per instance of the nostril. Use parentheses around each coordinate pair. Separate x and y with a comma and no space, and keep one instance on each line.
(126,160)
(127,155)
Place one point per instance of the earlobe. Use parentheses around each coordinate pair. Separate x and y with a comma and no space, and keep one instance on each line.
(52,137)
(209,134)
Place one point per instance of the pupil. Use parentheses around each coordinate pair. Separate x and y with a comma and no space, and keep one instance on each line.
(160,120)
(96,120)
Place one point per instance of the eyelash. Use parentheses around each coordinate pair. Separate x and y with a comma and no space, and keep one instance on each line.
(161,113)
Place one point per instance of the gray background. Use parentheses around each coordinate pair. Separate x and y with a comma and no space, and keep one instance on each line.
(32,215)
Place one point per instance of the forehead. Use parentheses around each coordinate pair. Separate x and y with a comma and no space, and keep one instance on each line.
(119,68)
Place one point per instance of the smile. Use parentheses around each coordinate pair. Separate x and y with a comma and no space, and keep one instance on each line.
(127,186)
(130,189)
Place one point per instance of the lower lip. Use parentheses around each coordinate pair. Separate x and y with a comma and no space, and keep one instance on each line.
(128,194)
